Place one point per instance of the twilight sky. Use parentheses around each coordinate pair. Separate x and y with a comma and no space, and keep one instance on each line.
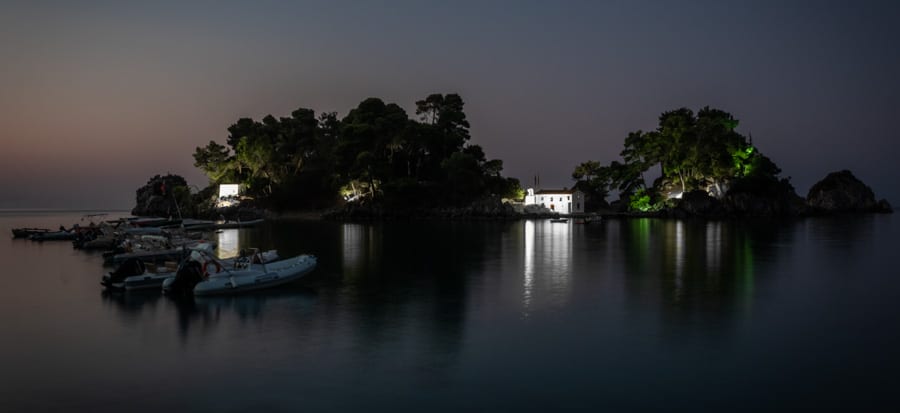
(98,97)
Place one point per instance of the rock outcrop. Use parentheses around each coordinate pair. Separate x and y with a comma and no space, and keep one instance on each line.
(699,203)
(842,192)
(157,197)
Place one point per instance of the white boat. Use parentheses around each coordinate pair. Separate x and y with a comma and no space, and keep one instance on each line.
(216,277)
(136,275)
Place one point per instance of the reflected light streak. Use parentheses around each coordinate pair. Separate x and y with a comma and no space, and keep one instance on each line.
(679,258)
(713,246)
(529,265)
(547,261)
(352,244)
(229,243)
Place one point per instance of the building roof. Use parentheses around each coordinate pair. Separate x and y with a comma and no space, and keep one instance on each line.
(554,191)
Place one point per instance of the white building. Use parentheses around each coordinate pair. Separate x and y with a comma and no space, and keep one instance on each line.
(228,195)
(564,201)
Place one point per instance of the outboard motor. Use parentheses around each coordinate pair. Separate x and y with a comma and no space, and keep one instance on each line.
(188,275)
(131,266)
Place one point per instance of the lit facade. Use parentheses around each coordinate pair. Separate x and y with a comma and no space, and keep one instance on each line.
(564,201)
(228,195)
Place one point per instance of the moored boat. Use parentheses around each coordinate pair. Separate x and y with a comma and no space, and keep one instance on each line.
(162,254)
(245,275)
(54,236)
(28,232)
(239,224)
(134,274)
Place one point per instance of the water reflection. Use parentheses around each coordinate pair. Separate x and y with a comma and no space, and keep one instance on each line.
(547,262)
(697,268)
(693,308)
(229,242)
(360,249)
(199,315)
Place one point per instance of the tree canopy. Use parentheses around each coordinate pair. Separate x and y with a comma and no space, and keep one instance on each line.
(375,152)
(693,151)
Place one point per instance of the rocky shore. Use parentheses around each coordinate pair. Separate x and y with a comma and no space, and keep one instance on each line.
(488,209)
(838,193)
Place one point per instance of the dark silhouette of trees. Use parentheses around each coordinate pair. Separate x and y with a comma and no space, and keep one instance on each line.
(693,151)
(376,152)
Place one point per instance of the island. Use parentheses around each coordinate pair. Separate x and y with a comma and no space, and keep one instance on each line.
(377,162)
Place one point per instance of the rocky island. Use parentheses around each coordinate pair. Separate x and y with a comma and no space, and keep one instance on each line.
(377,163)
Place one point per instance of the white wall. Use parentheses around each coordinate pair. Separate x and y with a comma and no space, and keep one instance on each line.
(564,203)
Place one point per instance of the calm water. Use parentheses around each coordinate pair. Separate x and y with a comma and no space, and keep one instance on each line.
(624,315)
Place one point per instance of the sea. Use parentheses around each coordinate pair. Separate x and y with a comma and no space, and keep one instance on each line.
(616,315)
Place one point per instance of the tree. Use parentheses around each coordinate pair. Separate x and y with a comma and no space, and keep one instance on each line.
(375,150)
(594,180)
(214,160)
(695,151)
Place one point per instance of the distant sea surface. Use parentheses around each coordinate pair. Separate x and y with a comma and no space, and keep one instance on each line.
(427,316)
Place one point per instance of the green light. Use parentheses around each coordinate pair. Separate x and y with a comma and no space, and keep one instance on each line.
(640,201)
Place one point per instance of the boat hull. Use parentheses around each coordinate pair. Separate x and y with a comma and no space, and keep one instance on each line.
(256,277)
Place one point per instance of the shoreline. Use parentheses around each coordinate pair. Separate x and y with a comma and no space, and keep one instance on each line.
(454,215)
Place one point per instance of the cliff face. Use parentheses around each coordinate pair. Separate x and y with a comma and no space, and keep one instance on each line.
(842,192)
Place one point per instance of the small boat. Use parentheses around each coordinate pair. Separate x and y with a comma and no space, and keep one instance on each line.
(558,220)
(102,243)
(28,232)
(195,278)
(239,224)
(166,254)
(54,236)
(143,231)
(134,274)
(152,222)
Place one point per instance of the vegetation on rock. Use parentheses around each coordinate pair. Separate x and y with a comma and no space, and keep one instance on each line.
(164,196)
(701,151)
(375,153)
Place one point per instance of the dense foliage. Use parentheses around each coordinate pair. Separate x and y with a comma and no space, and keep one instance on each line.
(699,151)
(376,152)
(164,196)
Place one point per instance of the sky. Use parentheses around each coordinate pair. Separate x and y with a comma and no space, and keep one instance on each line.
(97,97)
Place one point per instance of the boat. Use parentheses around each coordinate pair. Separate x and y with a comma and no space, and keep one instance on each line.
(587,220)
(239,224)
(152,222)
(152,254)
(558,220)
(213,277)
(167,246)
(134,274)
(28,232)
(143,231)
(196,225)
(61,235)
